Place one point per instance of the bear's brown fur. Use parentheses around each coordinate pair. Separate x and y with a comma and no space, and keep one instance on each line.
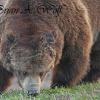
(31,44)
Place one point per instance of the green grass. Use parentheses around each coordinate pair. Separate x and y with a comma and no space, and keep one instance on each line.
(80,92)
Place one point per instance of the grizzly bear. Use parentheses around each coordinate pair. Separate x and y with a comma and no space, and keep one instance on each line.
(41,37)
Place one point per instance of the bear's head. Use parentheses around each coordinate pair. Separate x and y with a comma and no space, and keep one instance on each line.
(28,49)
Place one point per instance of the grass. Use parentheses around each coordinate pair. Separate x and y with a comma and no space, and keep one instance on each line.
(80,92)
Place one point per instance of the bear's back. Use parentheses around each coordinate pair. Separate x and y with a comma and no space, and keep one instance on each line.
(93,7)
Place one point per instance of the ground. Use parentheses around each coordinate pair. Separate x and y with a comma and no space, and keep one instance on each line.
(81,92)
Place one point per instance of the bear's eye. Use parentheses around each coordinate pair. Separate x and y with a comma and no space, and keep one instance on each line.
(25,73)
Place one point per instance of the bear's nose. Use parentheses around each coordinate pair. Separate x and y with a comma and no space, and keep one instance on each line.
(33,92)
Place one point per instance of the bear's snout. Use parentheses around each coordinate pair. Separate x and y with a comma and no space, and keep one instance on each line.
(31,84)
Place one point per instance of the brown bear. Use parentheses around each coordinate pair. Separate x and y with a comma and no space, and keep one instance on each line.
(40,37)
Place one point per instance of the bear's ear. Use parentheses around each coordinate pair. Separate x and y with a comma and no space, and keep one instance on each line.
(48,38)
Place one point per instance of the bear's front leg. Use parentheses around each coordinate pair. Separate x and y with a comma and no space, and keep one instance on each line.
(94,73)
(74,63)
(5,77)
